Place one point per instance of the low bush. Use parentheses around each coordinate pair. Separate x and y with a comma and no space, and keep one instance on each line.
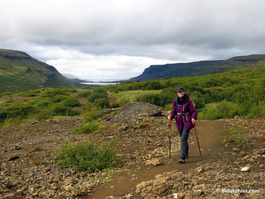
(31,93)
(60,110)
(90,115)
(16,110)
(71,102)
(41,103)
(52,93)
(87,157)
(219,110)
(44,114)
(84,94)
(151,98)
(257,110)
(86,128)
(102,103)
(235,135)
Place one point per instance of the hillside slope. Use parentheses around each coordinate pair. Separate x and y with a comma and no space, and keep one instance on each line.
(21,72)
(197,68)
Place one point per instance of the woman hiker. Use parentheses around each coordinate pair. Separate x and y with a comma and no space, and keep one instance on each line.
(185,114)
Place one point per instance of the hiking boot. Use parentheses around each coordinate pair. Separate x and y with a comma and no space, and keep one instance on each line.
(181,161)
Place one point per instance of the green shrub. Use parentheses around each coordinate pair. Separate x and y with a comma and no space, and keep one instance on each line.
(219,110)
(226,109)
(31,93)
(257,110)
(41,103)
(60,110)
(235,135)
(198,100)
(8,122)
(86,128)
(84,94)
(102,103)
(90,115)
(151,98)
(58,98)
(209,112)
(16,110)
(71,102)
(52,93)
(87,157)
(97,94)
(44,114)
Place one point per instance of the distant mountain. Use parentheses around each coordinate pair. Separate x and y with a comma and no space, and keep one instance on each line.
(69,76)
(21,72)
(197,68)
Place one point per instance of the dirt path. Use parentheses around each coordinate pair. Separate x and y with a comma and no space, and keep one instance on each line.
(209,133)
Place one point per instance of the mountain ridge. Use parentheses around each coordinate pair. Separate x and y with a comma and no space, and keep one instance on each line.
(197,68)
(21,72)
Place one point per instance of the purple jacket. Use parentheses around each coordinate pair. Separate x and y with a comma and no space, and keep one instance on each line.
(183,114)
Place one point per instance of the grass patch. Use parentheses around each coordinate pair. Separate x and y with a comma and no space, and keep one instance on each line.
(235,135)
(86,128)
(87,157)
(131,96)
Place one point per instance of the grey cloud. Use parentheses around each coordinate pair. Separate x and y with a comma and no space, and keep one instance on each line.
(159,30)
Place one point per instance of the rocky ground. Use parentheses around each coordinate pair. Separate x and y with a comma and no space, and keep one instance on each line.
(139,131)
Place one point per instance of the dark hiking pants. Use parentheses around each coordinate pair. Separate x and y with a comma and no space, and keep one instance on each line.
(184,150)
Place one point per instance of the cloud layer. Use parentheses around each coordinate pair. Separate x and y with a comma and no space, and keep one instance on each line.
(118,39)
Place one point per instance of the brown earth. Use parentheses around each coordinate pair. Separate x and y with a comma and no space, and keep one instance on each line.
(211,149)
(140,134)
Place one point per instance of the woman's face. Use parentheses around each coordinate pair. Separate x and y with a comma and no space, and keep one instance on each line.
(181,94)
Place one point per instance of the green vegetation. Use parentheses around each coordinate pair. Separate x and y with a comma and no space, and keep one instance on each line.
(198,68)
(238,92)
(21,72)
(134,95)
(235,135)
(86,128)
(87,157)
(48,103)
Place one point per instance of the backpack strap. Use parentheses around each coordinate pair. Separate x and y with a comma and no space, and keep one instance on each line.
(176,109)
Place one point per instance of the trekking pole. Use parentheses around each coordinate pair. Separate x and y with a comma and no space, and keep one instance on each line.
(197,140)
(169,139)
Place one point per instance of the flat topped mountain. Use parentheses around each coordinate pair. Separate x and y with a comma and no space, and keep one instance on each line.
(21,72)
(197,68)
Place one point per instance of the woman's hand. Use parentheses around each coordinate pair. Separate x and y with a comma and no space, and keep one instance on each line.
(169,117)
(193,121)
(169,125)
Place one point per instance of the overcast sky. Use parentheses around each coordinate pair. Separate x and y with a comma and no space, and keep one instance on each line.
(118,39)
